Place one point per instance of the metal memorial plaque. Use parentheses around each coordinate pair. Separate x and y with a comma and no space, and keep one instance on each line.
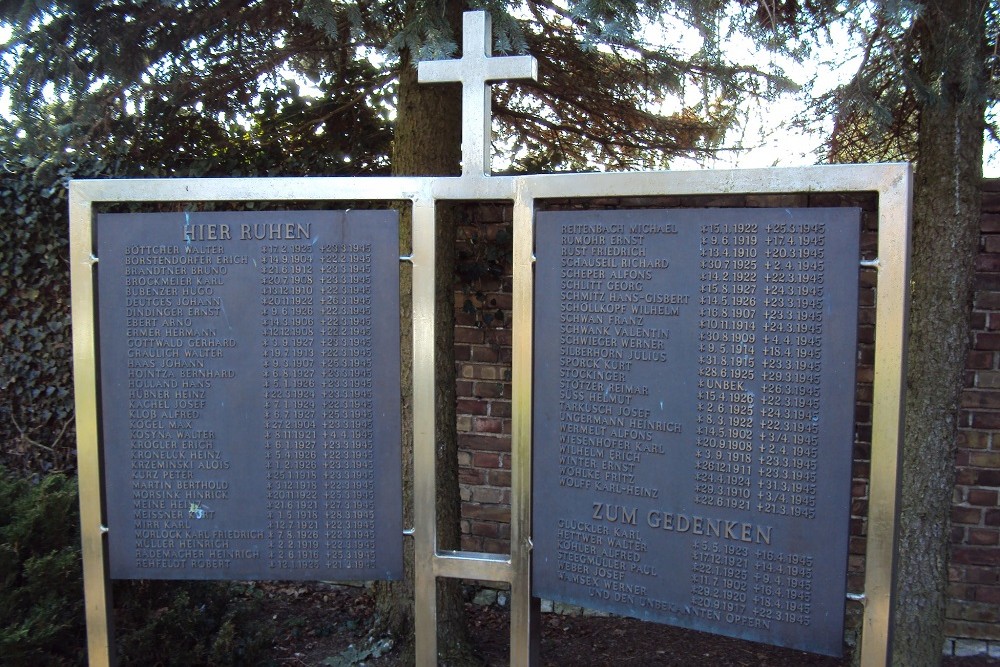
(694,417)
(250,393)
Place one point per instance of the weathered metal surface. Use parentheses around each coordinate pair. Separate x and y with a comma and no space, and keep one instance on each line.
(249,378)
(694,412)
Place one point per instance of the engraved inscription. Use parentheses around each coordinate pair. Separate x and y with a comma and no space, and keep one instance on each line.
(693,382)
(240,386)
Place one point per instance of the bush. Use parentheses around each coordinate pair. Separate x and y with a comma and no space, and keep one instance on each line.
(187,623)
(36,416)
(41,594)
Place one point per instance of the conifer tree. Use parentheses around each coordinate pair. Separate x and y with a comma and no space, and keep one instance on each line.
(921,93)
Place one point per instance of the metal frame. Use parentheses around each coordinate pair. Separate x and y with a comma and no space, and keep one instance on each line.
(892,183)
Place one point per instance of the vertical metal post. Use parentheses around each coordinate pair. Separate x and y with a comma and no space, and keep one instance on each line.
(424,472)
(524,608)
(887,416)
(96,583)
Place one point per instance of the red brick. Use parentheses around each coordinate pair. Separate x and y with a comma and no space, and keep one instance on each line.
(969,630)
(868,278)
(486,512)
(484,528)
(501,337)
(991,244)
(969,516)
(983,537)
(991,518)
(977,611)
(490,495)
(985,459)
(987,262)
(976,556)
(502,409)
(483,443)
(982,575)
(988,477)
(485,353)
(494,546)
(463,318)
(488,389)
(979,359)
(985,420)
(991,220)
(487,425)
(968,439)
(471,476)
(966,476)
(487,460)
(986,282)
(988,379)
(977,320)
(959,592)
(987,341)
(472,335)
(983,497)
(990,594)
(980,399)
(499,478)
(470,406)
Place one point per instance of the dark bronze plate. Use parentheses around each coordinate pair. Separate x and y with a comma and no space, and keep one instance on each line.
(250,394)
(694,417)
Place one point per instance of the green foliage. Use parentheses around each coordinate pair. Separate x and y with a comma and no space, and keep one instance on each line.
(214,86)
(41,586)
(484,260)
(36,415)
(188,623)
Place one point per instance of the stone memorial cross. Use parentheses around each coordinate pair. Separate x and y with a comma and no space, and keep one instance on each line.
(474,70)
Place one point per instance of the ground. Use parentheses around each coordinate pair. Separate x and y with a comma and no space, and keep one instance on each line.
(323,624)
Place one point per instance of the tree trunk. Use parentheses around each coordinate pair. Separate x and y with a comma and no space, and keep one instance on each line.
(945,240)
(427,142)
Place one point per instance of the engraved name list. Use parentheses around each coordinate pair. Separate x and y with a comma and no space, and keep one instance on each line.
(249,429)
(694,384)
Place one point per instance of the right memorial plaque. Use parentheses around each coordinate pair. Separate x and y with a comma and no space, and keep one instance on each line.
(694,417)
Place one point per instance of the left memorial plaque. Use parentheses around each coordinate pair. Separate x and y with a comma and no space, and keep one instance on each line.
(250,394)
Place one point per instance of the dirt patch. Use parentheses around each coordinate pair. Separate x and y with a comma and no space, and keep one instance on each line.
(321,624)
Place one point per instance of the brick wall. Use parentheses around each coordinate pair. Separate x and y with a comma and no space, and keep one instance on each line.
(483,355)
(974,590)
